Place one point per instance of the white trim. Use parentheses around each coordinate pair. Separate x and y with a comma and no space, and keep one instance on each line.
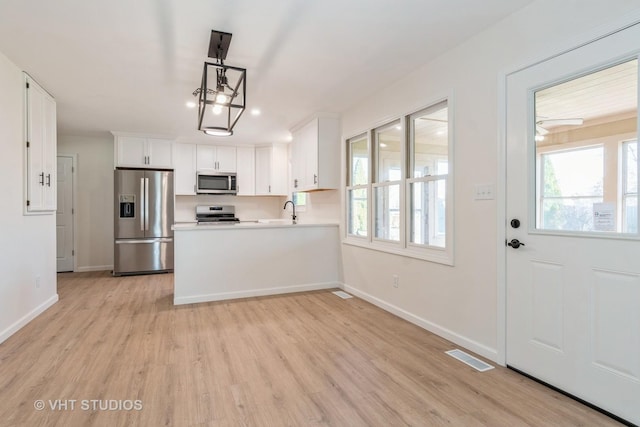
(577,42)
(24,320)
(94,268)
(255,293)
(443,332)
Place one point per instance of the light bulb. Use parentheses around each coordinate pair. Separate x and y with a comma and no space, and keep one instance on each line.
(217,109)
(221,98)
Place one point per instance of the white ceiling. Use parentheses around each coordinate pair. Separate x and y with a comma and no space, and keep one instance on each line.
(131,66)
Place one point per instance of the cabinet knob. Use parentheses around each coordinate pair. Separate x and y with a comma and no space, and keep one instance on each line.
(315,178)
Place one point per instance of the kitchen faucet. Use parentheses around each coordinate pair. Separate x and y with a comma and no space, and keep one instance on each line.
(293,216)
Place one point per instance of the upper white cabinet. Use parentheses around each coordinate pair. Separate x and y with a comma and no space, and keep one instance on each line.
(246,171)
(216,158)
(142,152)
(315,155)
(185,169)
(40,115)
(271,170)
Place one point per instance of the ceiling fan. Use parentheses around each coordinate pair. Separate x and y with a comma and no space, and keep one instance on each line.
(542,123)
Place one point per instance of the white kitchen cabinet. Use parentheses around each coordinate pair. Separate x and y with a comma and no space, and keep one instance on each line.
(246,171)
(143,152)
(40,115)
(185,169)
(271,170)
(315,155)
(216,158)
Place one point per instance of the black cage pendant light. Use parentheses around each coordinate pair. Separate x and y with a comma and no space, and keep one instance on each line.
(222,94)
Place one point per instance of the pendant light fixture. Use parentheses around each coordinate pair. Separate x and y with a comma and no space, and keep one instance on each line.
(222,93)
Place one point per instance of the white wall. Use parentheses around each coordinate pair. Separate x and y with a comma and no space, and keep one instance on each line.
(28,242)
(94,216)
(322,207)
(460,302)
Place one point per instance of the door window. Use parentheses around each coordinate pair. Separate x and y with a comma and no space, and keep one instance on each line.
(586,165)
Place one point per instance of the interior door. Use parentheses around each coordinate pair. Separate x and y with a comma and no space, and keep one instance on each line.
(64,215)
(573,270)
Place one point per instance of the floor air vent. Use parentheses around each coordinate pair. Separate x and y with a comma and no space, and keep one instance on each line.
(474,362)
(342,294)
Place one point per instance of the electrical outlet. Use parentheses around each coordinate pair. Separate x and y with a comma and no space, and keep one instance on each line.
(396,280)
(37,282)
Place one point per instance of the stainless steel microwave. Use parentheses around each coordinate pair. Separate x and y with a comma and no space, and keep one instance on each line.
(216,183)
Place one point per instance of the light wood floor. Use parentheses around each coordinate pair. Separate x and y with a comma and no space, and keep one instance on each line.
(292,360)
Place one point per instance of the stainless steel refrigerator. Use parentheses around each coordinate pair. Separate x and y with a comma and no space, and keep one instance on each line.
(143,220)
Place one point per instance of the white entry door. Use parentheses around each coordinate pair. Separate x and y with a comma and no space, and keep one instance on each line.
(573,284)
(64,215)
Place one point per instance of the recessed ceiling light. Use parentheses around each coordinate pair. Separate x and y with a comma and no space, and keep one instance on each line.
(191,104)
(255,112)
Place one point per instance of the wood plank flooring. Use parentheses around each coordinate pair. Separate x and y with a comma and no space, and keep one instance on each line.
(303,359)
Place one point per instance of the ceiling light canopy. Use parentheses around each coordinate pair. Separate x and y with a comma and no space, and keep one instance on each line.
(222,93)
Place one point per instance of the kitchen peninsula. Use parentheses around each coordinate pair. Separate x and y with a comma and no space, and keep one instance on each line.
(219,262)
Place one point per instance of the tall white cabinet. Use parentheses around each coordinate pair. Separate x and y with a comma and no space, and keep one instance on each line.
(315,155)
(246,171)
(185,169)
(40,114)
(271,170)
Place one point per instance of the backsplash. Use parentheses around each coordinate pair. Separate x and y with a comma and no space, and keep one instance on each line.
(247,208)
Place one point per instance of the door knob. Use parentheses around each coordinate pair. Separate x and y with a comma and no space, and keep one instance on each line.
(515,243)
(515,223)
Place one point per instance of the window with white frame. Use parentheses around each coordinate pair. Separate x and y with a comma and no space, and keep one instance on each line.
(571,183)
(630,187)
(357,186)
(428,151)
(386,187)
(406,199)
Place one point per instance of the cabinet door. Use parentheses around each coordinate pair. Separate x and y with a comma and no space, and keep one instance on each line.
(246,170)
(41,149)
(226,157)
(297,164)
(263,170)
(279,170)
(49,151)
(35,139)
(131,151)
(206,157)
(160,153)
(185,169)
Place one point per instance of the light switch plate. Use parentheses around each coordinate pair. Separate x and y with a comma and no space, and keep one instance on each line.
(484,192)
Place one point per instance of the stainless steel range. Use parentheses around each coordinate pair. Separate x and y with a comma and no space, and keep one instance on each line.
(216,214)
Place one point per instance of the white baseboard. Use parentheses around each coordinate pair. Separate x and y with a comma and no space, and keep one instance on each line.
(15,327)
(469,344)
(254,293)
(94,268)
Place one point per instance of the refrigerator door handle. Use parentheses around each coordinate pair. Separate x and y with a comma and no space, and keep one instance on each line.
(146,203)
(141,208)
(144,241)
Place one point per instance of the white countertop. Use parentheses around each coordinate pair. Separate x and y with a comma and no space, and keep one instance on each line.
(244,225)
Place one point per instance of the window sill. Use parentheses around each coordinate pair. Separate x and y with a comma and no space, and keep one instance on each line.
(439,256)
